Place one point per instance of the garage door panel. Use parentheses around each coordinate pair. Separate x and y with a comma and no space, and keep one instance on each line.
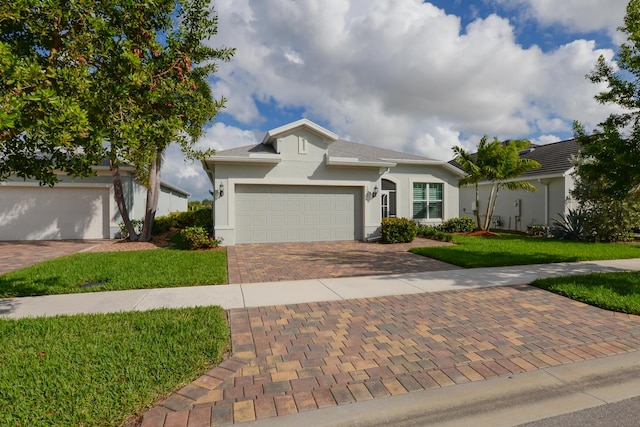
(298,213)
(35,213)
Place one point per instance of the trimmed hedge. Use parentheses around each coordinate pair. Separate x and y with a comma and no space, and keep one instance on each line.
(458,225)
(398,230)
(198,218)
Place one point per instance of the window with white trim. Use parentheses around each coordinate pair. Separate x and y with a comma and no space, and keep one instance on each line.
(427,200)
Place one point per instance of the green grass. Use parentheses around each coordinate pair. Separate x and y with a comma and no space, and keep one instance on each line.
(98,370)
(161,268)
(612,291)
(514,249)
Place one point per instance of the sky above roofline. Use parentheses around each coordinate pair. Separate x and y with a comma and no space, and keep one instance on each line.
(406,75)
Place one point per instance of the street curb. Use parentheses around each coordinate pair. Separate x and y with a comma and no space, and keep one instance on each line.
(503,401)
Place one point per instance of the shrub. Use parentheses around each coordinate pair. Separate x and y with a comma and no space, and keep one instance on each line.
(195,238)
(459,225)
(137,226)
(198,218)
(537,230)
(398,230)
(572,226)
(433,233)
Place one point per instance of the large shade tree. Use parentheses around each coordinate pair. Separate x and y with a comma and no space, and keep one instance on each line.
(83,81)
(45,86)
(498,164)
(612,153)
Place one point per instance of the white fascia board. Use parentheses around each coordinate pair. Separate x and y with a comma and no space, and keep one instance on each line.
(530,178)
(174,188)
(428,162)
(352,161)
(244,159)
(270,136)
(569,172)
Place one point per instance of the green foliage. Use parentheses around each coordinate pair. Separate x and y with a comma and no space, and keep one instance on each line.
(516,249)
(497,163)
(158,268)
(192,238)
(458,225)
(572,226)
(195,205)
(538,230)
(398,230)
(137,225)
(612,154)
(433,233)
(612,291)
(100,369)
(197,218)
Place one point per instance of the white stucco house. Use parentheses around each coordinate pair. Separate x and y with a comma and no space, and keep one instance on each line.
(515,210)
(304,183)
(80,208)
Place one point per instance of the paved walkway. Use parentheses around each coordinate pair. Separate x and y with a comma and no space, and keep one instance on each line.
(16,255)
(258,263)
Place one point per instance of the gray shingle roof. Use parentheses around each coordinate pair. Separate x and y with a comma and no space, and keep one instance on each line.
(339,148)
(554,158)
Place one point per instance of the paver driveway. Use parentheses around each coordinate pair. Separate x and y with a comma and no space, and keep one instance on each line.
(274,262)
(15,255)
(295,358)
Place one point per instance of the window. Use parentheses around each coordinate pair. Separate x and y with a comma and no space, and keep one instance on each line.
(427,201)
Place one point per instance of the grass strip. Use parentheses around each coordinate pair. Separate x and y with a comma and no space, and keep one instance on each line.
(514,249)
(97,370)
(612,291)
(110,271)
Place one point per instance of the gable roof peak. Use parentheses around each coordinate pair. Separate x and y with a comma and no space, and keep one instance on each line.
(272,135)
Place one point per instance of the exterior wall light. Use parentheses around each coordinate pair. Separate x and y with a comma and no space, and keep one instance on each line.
(221,190)
(375,191)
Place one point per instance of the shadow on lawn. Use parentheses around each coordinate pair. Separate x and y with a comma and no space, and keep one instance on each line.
(10,287)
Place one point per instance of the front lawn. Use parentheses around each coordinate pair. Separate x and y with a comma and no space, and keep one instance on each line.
(612,291)
(514,249)
(98,370)
(110,271)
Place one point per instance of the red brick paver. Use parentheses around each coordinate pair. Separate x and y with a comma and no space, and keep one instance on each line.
(320,260)
(16,255)
(318,355)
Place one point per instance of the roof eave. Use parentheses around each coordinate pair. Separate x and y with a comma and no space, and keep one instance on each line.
(353,162)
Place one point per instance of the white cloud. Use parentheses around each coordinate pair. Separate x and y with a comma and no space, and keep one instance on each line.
(575,15)
(401,74)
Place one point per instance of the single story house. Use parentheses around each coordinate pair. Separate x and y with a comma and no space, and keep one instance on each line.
(303,183)
(80,208)
(515,210)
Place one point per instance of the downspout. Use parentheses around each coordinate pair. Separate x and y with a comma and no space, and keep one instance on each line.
(546,200)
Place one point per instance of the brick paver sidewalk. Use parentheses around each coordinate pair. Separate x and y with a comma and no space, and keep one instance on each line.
(320,260)
(289,359)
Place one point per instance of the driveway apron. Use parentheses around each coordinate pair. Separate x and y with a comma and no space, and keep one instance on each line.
(255,263)
(16,255)
(295,358)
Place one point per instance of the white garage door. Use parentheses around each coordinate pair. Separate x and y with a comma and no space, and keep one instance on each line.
(43,213)
(282,213)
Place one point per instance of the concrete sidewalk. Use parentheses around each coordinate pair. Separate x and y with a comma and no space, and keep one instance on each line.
(300,291)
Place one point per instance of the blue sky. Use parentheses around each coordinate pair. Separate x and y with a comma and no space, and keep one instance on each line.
(413,76)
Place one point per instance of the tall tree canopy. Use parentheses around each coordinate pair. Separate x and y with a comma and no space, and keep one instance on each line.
(84,81)
(497,163)
(613,151)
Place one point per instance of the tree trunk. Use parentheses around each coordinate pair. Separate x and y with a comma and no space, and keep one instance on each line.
(119,197)
(490,202)
(493,208)
(478,207)
(153,194)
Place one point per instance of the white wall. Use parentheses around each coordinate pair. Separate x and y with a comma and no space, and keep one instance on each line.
(540,207)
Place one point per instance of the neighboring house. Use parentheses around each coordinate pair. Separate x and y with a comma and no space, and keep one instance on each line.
(80,208)
(302,183)
(515,210)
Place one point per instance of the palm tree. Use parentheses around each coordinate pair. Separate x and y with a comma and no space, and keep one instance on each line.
(498,163)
